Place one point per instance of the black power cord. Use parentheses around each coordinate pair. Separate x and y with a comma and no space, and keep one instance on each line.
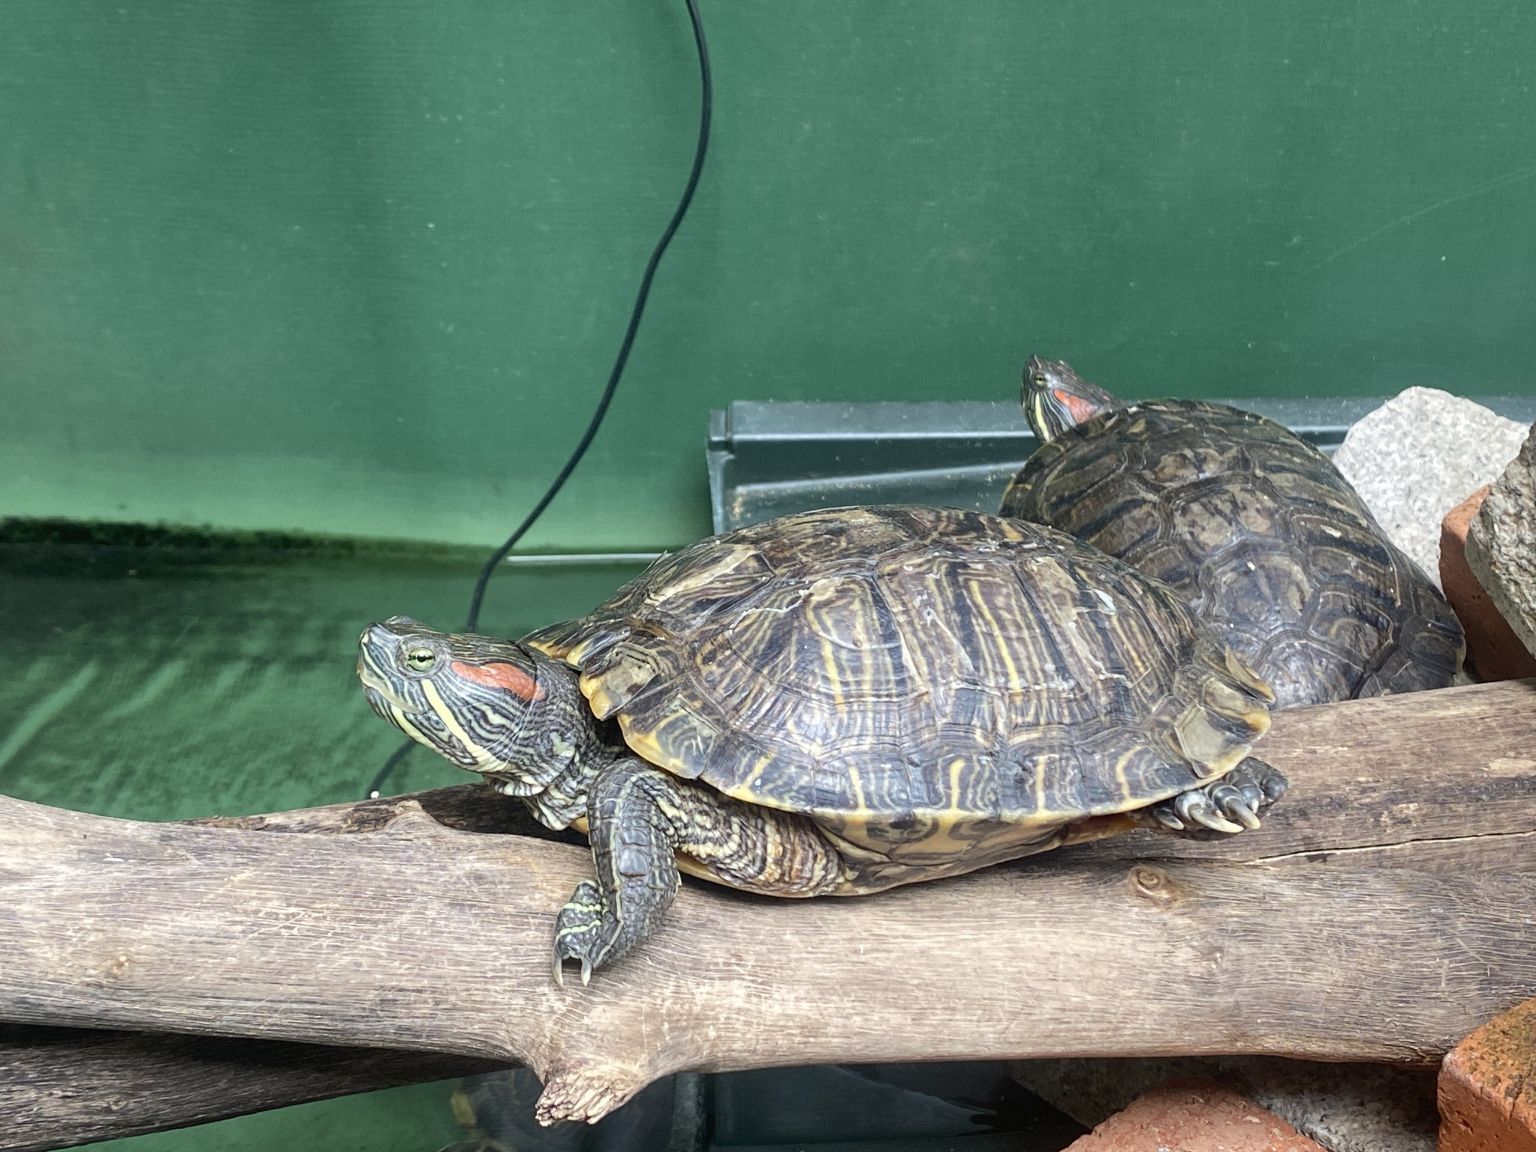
(701,149)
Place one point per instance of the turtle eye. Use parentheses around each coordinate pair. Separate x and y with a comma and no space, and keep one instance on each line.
(420,659)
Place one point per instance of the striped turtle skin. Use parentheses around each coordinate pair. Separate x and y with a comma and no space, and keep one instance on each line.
(1253,526)
(840,701)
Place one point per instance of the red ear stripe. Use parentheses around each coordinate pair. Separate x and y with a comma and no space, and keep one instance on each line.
(1080,408)
(499,674)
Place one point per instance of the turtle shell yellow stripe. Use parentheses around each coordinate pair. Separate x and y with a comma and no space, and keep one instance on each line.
(909,675)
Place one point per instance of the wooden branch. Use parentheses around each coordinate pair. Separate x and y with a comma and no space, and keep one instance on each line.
(1295,940)
(1444,781)
(65,1086)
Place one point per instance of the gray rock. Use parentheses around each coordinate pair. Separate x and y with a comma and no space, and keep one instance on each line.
(1418,456)
(1501,544)
(1344,1107)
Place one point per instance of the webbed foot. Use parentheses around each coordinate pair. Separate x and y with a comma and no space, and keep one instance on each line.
(584,932)
(639,819)
(1224,806)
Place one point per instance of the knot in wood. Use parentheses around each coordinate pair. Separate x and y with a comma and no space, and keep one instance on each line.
(1154,885)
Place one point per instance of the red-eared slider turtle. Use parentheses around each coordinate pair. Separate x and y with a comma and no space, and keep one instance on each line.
(836,702)
(1254,526)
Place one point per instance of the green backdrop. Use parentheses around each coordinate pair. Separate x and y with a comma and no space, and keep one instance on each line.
(361,267)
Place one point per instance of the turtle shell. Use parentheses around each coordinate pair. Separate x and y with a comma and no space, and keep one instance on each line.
(914,674)
(1261,533)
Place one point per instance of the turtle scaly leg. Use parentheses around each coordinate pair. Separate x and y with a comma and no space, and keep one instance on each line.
(1228,804)
(639,820)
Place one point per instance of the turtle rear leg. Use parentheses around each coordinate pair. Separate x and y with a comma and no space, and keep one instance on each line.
(639,820)
(1228,804)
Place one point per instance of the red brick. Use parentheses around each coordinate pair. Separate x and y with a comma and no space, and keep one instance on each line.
(1494,652)
(1194,1118)
(1488,1087)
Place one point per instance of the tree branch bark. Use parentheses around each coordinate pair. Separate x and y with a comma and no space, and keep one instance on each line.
(66,1086)
(1380,914)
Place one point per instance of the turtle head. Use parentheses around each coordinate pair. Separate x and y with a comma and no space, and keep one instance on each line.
(1056,398)
(466,697)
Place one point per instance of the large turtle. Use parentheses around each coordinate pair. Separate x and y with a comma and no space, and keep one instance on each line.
(836,702)
(1253,525)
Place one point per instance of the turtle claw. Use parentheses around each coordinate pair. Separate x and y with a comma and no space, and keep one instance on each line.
(1225,806)
(1252,795)
(1239,810)
(559,969)
(583,932)
(1233,804)
(1164,816)
(1259,784)
(1196,807)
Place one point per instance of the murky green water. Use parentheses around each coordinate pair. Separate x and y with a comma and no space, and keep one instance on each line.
(179,684)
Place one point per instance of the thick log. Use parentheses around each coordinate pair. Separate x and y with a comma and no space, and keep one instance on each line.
(60,1087)
(1326,935)
(66,1086)
(1444,781)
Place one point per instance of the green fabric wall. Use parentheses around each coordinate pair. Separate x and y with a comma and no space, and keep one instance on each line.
(361,266)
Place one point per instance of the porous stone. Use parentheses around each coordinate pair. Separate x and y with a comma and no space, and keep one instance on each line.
(1501,543)
(1194,1118)
(1419,455)
(1494,652)
(1343,1107)
(1488,1087)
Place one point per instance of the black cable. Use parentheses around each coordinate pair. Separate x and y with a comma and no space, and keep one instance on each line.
(701,149)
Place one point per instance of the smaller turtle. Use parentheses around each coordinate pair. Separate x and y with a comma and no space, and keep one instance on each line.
(837,702)
(1255,527)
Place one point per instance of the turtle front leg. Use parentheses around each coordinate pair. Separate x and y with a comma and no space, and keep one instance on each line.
(639,820)
(1228,804)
